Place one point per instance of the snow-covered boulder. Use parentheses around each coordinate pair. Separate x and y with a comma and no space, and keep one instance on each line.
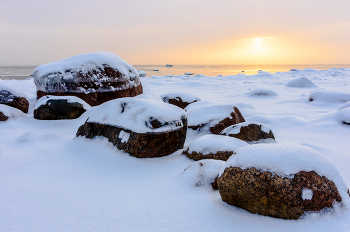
(7,112)
(281,181)
(141,126)
(301,82)
(214,118)
(198,104)
(202,174)
(94,77)
(249,131)
(262,93)
(343,116)
(330,96)
(13,97)
(59,107)
(213,147)
(180,99)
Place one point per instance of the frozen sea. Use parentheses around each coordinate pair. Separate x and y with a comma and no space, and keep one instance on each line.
(51,180)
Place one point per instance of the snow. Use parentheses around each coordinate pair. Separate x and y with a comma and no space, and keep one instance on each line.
(185,97)
(53,181)
(286,160)
(136,113)
(213,143)
(343,115)
(10,112)
(307,194)
(70,99)
(330,96)
(261,92)
(235,129)
(345,105)
(124,136)
(301,82)
(197,104)
(211,114)
(15,91)
(51,77)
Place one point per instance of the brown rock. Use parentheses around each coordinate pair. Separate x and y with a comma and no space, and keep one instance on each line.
(141,145)
(3,117)
(220,155)
(177,99)
(7,98)
(268,194)
(249,132)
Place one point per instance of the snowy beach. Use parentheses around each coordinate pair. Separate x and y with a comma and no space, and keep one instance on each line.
(52,180)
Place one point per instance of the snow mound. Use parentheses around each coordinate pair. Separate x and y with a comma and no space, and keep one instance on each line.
(198,104)
(214,143)
(11,112)
(261,93)
(70,99)
(185,97)
(286,160)
(63,75)
(301,82)
(9,88)
(137,113)
(235,129)
(343,116)
(329,96)
(150,96)
(39,136)
(201,173)
(211,114)
(346,105)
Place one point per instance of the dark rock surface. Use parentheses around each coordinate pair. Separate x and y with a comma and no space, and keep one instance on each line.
(268,194)
(177,100)
(7,98)
(3,117)
(141,145)
(251,132)
(220,155)
(57,109)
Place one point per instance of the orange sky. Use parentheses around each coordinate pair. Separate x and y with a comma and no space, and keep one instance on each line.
(177,32)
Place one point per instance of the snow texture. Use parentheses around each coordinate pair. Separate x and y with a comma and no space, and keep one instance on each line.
(330,96)
(11,112)
(307,194)
(286,160)
(213,143)
(345,105)
(198,104)
(9,88)
(211,114)
(261,93)
(235,129)
(52,77)
(70,99)
(136,114)
(301,82)
(343,115)
(124,136)
(185,97)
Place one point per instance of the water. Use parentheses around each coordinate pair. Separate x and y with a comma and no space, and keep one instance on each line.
(22,72)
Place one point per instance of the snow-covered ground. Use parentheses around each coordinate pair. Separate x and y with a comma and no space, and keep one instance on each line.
(50,180)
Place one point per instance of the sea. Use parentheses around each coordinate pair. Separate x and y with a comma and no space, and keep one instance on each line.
(23,72)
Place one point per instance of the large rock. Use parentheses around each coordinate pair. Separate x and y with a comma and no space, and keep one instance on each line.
(213,147)
(249,131)
(333,96)
(14,98)
(214,118)
(59,107)
(181,100)
(142,127)
(94,77)
(280,181)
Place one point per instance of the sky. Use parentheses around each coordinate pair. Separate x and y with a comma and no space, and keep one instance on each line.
(208,32)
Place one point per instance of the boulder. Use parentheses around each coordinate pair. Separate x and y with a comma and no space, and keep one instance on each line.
(94,77)
(333,96)
(142,127)
(249,131)
(213,147)
(181,100)
(214,118)
(7,112)
(280,181)
(14,98)
(59,107)
(301,82)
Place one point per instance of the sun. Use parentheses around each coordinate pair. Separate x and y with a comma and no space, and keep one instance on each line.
(257,40)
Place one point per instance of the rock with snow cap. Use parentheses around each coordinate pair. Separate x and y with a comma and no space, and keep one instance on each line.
(94,77)
(7,112)
(141,126)
(282,181)
(213,147)
(249,131)
(181,100)
(214,118)
(59,107)
(13,97)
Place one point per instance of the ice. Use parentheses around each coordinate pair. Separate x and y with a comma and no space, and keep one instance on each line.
(185,97)
(301,82)
(213,143)
(136,114)
(70,99)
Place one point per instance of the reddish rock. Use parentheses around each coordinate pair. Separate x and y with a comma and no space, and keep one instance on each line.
(268,194)
(220,155)
(249,132)
(3,117)
(10,99)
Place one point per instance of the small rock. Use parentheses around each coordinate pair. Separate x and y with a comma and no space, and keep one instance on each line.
(249,131)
